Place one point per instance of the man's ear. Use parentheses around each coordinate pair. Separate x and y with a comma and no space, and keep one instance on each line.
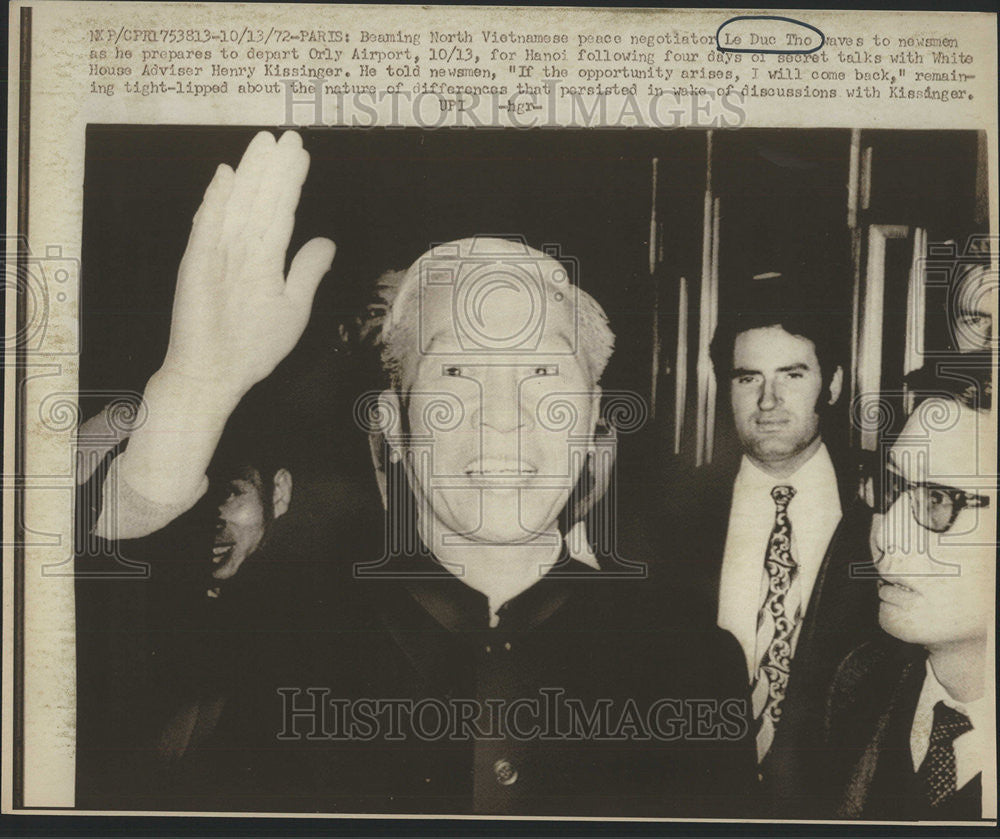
(836,384)
(390,418)
(282,496)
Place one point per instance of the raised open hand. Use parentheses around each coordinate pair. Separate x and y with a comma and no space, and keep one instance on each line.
(235,314)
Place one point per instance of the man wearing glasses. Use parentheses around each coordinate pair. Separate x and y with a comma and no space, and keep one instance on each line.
(910,726)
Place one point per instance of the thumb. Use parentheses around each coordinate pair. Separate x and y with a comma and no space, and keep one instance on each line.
(308,267)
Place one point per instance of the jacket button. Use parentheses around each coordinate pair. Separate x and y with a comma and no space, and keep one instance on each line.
(505,772)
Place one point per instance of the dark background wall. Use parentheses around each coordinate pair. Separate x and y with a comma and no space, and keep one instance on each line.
(385,196)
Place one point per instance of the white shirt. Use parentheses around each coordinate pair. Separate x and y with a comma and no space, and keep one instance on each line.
(813,513)
(971,748)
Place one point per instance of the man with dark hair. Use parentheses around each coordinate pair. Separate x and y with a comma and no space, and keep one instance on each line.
(250,488)
(794,319)
(773,542)
(215,586)
(909,724)
(219,617)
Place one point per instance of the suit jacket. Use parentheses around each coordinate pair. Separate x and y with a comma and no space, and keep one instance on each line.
(649,700)
(584,640)
(865,757)
(841,614)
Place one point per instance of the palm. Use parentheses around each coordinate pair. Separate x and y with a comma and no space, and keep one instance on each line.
(235,315)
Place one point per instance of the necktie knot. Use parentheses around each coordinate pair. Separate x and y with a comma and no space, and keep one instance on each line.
(948,724)
(782,495)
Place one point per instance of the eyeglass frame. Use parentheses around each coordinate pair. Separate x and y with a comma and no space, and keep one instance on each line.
(960,499)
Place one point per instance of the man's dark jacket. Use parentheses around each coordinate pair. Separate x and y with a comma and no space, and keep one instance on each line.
(842,613)
(648,714)
(650,697)
(865,757)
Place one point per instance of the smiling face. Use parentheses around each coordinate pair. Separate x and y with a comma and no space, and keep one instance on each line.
(936,589)
(241,524)
(775,390)
(244,518)
(499,432)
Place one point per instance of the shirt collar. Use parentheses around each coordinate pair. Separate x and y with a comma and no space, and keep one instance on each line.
(816,475)
(459,608)
(923,719)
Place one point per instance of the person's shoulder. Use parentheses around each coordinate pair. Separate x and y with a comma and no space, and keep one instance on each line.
(676,622)
(695,500)
(673,644)
(867,686)
(717,476)
(871,670)
(844,464)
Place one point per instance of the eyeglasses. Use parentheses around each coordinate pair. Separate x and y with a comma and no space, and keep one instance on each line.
(934,506)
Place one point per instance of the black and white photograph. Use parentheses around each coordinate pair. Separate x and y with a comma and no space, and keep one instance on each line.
(502,505)
(466,414)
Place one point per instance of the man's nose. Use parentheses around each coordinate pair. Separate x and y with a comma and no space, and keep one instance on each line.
(224,507)
(893,534)
(502,403)
(769,396)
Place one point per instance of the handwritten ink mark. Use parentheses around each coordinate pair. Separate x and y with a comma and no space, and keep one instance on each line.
(818,47)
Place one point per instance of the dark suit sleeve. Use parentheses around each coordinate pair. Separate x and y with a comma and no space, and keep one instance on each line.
(737,771)
(121,620)
(724,755)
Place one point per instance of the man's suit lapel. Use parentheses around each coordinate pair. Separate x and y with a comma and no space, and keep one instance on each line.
(717,501)
(885,759)
(841,614)
(843,599)
(812,669)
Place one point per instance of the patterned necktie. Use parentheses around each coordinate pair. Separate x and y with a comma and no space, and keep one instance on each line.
(777,624)
(937,772)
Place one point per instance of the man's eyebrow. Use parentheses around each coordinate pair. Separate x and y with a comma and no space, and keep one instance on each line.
(790,368)
(743,371)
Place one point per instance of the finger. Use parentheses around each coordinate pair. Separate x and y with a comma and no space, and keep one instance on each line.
(249,173)
(283,176)
(272,244)
(275,238)
(207,223)
(310,264)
